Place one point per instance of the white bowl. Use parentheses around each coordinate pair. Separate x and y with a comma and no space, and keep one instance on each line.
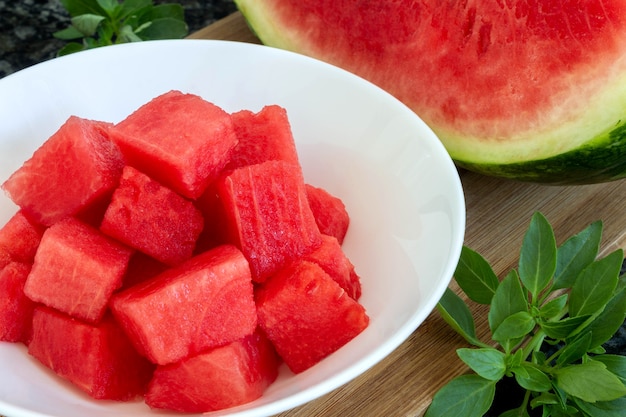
(397,181)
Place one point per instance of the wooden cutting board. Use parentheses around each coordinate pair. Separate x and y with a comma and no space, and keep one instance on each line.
(498,212)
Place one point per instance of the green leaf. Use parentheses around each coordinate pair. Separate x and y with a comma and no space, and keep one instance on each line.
(613,408)
(69,33)
(464,396)
(87,24)
(563,328)
(109,6)
(537,262)
(575,254)
(130,7)
(78,7)
(553,308)
(457,314)
(126,34)
(513,327)
(164,28)
(575,350)
(590,381)
(171,10)
(614,363)
(71,48)
(607,323)
(508,299)
(595,285)
(486,362)
(532,378)
(516,412)
(475,276)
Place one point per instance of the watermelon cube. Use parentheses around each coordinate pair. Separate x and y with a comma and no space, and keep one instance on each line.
(76,269)
(80,158)
(268,215)
(178,139)
(307,315)
(152,218)
(330,213)
(16,310)
(20,237)
(230,375)
(263,136)
(205,302)
(98,359)
(333,260)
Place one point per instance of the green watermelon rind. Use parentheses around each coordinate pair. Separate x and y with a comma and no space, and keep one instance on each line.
(600,160)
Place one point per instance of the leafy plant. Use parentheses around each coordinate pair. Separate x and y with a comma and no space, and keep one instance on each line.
(107,22)
(548,321)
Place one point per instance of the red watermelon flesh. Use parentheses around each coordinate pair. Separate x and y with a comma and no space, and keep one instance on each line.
(20,237)
(268,215)
(16,310)
(307,315)
(230,375)
(333,260)
(330,213)
(79,156)
(178,139)
(98,359)
(141,267)
(5,258)
(76,269)
(152,218)
(205,302)
(263,136)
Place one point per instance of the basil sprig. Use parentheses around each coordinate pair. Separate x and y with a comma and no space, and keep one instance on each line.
(107,22)
(548,319)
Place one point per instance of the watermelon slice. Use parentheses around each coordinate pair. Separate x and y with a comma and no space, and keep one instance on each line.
(532,90)
(263,136)
(268,215)
(152,218)
(178,139)
(98,359)
(20,237)
(80,156)
(329,211)
(231,375)
(76,269)
(331,257)
(16,310)
(307,315)
(205,302)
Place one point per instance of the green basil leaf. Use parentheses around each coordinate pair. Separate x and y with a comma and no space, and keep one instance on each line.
(486,362)
(613,408)
(575,350)
(126,34)
(532,378)
(109,6)
(69,33)
(464,396)
(78,7)
(458,316)
(537,262)
(171,10)
(71,48)
(590,381)
(87,24)
(563,328)
(513,327)
(553,308)
(476,277)
(130,7)
(516,412)
(576,254)
(545,398)
(508,299)
(595,285)
(164,28)
(607,323)
(614,363)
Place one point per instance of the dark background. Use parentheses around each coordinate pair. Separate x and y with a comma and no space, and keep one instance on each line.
(26,27)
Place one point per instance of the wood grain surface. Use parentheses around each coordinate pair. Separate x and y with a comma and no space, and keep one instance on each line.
(498,212)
